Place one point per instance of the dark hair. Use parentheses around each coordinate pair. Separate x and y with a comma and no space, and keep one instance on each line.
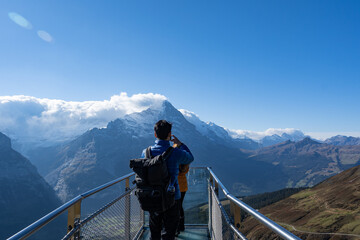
(162,129)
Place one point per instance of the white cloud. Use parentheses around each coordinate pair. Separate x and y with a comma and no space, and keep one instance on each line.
(259,135)
(30,119)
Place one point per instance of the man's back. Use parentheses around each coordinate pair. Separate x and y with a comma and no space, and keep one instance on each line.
(181,155)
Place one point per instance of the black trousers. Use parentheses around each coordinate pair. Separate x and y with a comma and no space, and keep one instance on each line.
(170,219)
(182,215)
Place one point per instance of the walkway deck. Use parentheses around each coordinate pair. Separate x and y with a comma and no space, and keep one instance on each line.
(190,233)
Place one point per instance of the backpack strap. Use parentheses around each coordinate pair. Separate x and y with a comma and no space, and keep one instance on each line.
(148,152)
(167,153)
(165,156)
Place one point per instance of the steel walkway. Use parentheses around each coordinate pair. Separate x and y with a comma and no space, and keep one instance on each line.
(111,211)
(190,233)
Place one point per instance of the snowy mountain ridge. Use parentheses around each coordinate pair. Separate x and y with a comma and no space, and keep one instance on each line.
(268,137)
(205,128)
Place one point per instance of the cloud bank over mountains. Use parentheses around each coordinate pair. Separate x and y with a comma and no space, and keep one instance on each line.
(269,132)
(31,119)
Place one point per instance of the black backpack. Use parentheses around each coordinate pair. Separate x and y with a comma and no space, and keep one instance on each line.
(152,181)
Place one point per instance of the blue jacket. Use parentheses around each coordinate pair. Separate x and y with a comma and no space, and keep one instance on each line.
(181,155)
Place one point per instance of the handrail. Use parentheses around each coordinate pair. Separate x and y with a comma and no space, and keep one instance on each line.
(106,185)
(26,232)
(261,218)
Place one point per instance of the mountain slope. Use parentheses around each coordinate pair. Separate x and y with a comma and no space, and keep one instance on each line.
(332,206)
(308,162)
(25,196)
(100,155)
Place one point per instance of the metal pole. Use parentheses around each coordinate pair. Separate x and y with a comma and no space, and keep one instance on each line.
(216,189)
(127,210)
(210,206)
(74,215)
(235,214)
(142,217)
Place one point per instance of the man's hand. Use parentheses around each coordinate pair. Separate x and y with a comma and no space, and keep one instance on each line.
(175,140)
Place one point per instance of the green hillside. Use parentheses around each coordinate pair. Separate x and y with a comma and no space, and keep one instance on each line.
(330,210)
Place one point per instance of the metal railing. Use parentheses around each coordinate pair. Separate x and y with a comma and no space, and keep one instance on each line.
(236,206)
(122,218)
(74,211)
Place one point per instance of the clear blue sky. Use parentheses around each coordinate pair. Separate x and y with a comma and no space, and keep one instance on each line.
(241,64)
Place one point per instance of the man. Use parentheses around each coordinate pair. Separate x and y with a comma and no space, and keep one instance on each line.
(180,155)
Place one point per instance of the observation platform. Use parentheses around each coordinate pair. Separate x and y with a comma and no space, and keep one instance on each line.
(112,211)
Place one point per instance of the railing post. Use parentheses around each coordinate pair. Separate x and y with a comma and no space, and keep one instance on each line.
(127,210)
(74,215)
(210,182)
(235,212)
(216,189)
(142,217)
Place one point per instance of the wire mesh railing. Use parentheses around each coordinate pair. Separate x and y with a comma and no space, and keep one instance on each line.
(122,218)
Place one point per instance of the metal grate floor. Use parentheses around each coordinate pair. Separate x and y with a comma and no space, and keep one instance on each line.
(190,233)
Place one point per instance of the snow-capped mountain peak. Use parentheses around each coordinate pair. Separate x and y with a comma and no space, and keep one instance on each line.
(208,129)
(201,126)
(268,137)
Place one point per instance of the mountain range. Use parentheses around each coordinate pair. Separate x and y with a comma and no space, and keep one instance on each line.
(242,139)
(251,140)
(343,140)
(308,162)
(102,154)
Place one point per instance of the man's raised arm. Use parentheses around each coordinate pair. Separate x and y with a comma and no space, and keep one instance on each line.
(184,155)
